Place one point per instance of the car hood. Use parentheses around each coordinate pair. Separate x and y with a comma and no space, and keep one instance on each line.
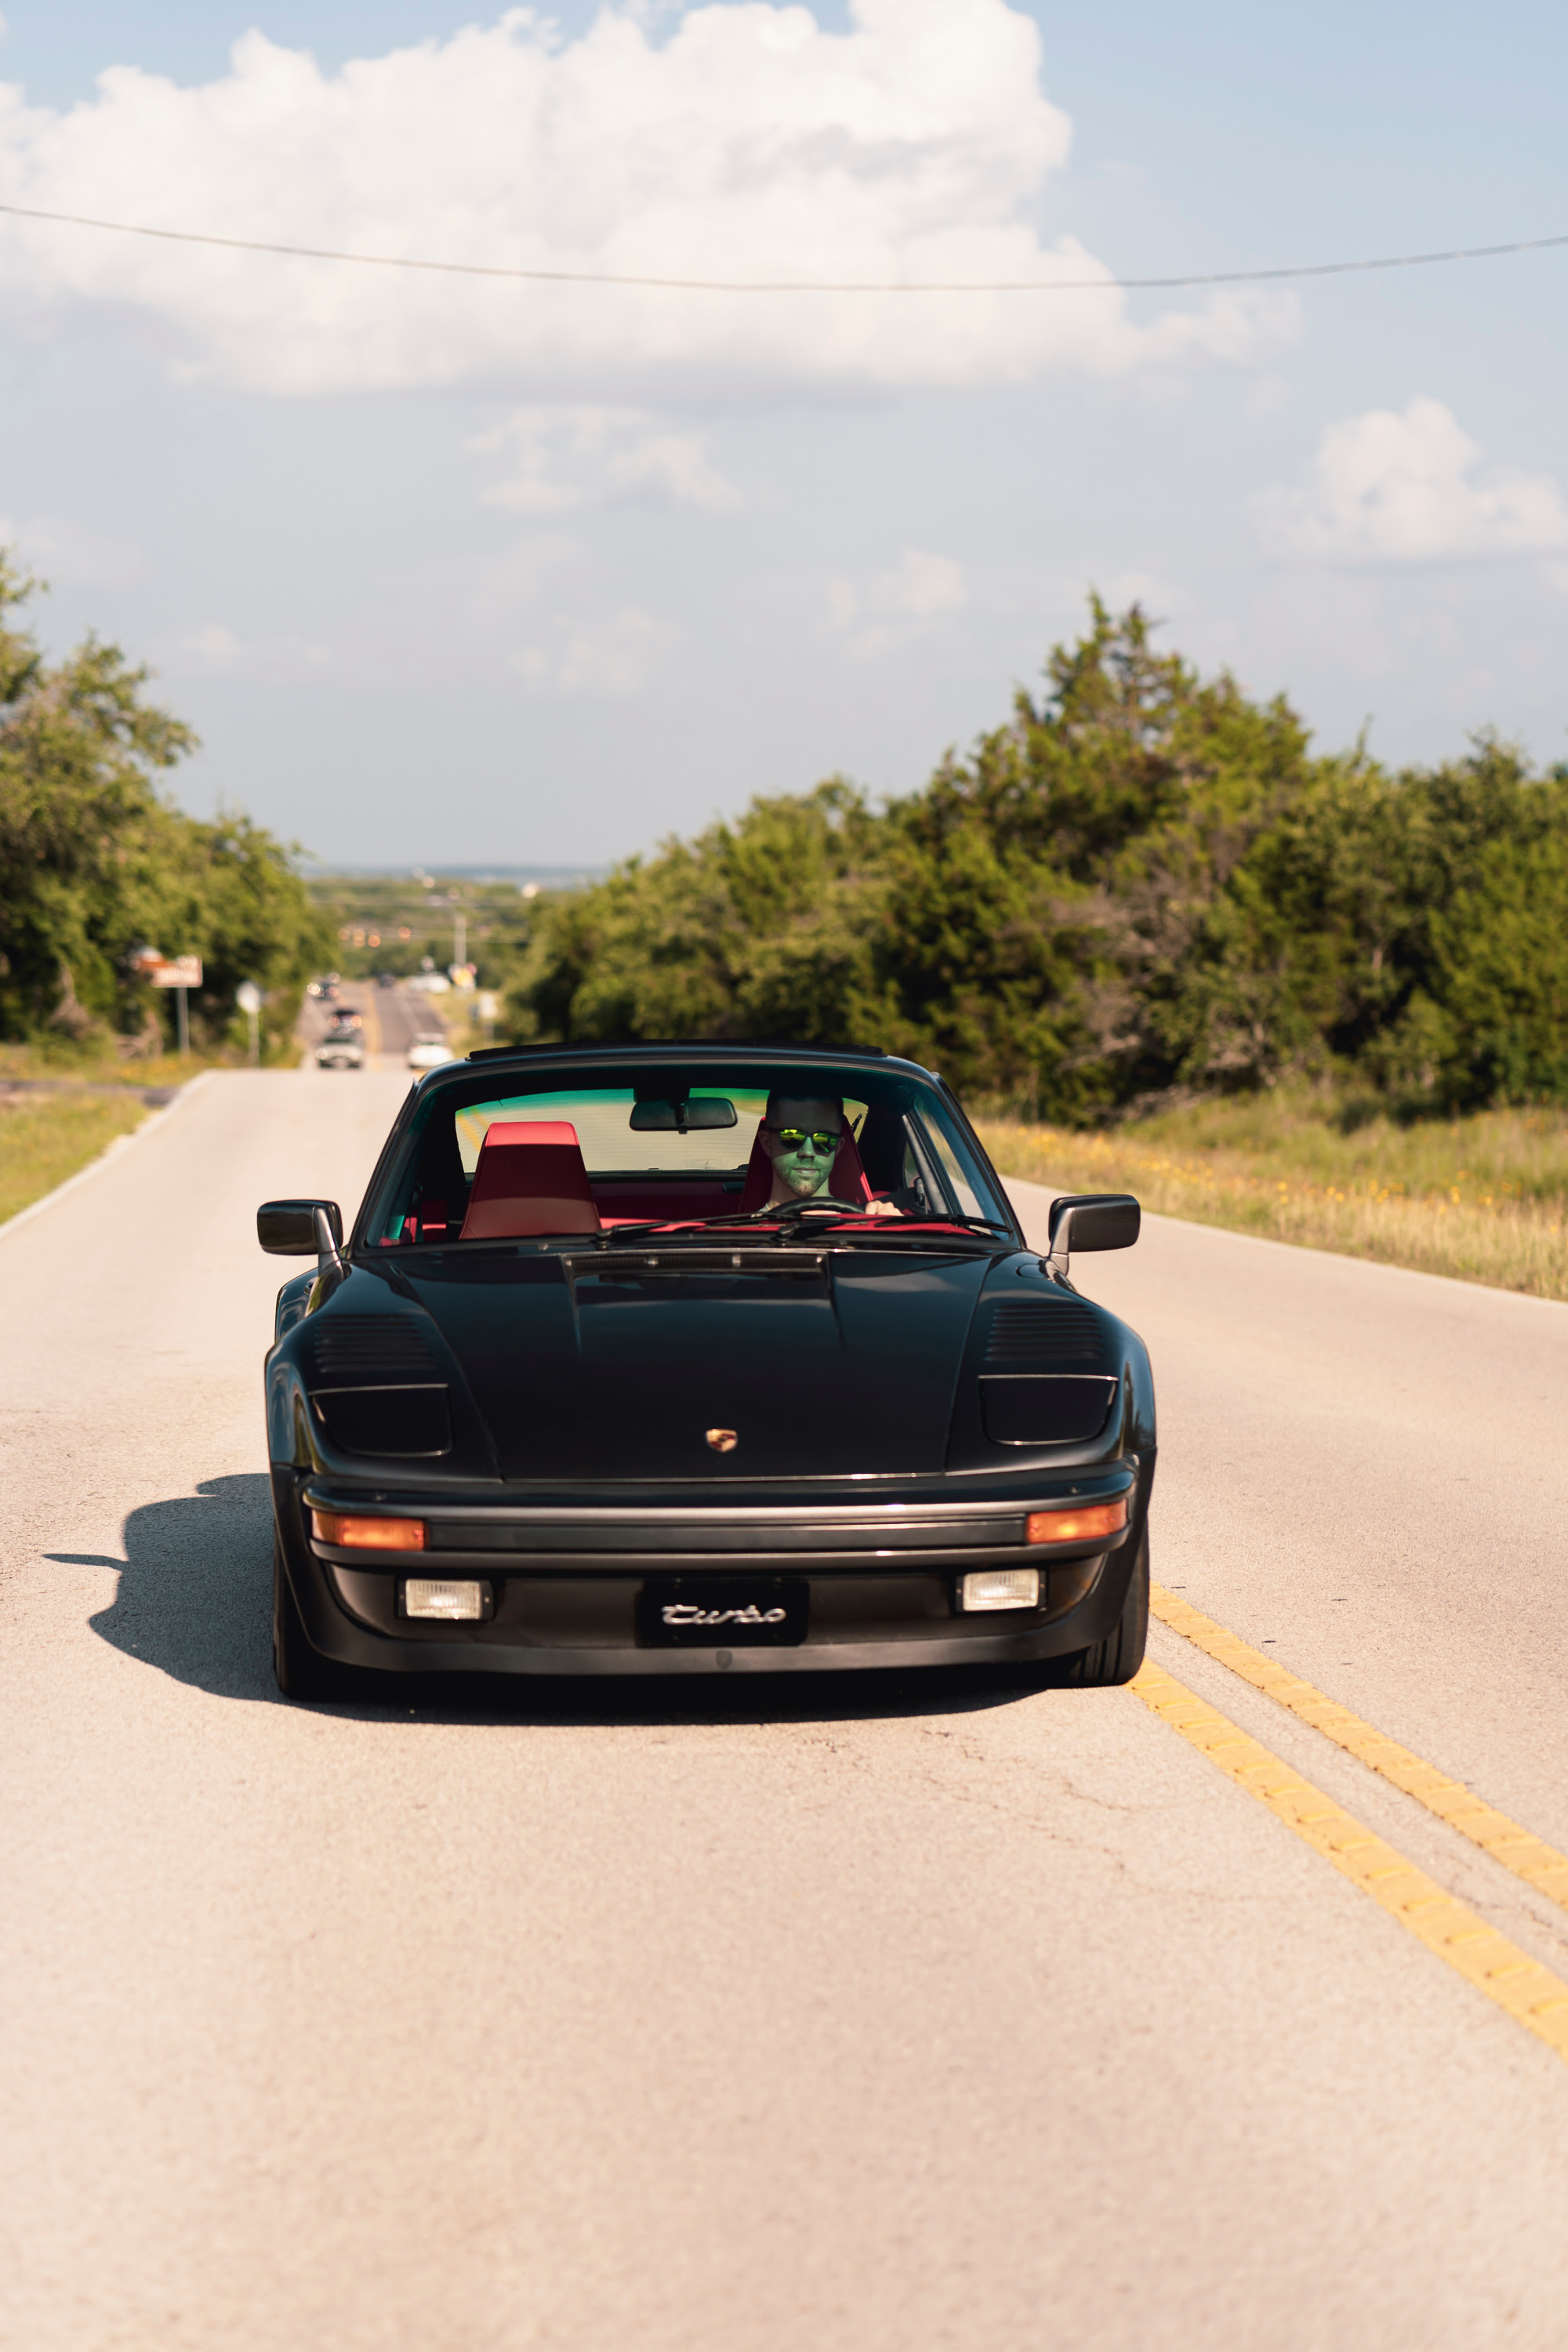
(822,1364)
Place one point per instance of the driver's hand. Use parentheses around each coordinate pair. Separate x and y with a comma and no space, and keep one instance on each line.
(882,1209)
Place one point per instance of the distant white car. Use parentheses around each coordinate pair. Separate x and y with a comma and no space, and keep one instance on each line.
(430,983)
(429,1054)
(341,1051)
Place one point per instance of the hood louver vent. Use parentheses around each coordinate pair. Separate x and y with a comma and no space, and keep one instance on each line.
(376,1346)
(1064,1336)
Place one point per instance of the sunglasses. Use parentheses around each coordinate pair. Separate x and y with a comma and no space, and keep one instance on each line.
(826,1138)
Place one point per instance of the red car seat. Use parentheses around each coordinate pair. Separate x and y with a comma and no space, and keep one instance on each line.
(848,1181)
(529,1180)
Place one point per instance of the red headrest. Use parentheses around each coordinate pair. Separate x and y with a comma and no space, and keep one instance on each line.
(529,1180)
(529,1130)
(848,1181)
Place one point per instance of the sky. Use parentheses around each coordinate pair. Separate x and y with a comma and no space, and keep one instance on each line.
(452,569)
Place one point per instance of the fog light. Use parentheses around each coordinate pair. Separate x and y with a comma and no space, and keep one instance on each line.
(440,1596)
(368,1535)
(1001,1588)
(1079,1525)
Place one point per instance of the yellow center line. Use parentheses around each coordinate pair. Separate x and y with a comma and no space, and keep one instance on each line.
(1439,1920)
(1519,1850)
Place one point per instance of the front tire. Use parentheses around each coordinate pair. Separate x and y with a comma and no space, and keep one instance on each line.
(301,1672)
(1117,1657)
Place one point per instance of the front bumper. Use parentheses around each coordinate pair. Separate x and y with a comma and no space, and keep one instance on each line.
(567,1578)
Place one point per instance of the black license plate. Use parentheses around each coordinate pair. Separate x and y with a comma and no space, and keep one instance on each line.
(722,1613)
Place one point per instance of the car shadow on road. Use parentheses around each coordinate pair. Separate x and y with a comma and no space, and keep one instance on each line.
(196,1601)
(195,1588)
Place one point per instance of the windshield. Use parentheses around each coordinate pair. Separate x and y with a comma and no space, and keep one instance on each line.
(601,1150)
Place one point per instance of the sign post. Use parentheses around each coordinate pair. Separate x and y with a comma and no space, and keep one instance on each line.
(247,996)
(179,973)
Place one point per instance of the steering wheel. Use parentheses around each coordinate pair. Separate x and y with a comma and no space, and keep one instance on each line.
(793,1208)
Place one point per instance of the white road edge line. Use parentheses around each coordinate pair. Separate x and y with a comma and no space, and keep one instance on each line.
(112,1151)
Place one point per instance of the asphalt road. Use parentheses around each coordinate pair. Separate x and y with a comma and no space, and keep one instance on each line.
(392,1016)
(913,2017)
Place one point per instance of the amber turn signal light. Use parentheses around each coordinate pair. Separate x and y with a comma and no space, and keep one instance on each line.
(368,1535)
(1079,1525)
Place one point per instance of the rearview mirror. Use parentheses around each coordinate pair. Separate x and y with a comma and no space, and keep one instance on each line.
(669,1117)
(1093,1221)
(289,1228)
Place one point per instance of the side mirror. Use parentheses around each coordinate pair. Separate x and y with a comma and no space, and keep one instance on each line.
(289,1228)
(1093,1221)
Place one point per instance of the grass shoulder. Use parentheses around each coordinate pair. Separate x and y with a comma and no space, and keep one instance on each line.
(47,1137)
(1483,1198)
(61,1107)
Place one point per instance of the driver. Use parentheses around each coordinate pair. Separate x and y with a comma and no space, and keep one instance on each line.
(801,1135)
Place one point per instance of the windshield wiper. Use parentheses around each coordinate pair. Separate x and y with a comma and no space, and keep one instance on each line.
(790,1210)
(794,1213)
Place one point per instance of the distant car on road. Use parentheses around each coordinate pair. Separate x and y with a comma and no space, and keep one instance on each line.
(340,1049)
(428,1052)
(586,1393)
(386,980)
(431,983)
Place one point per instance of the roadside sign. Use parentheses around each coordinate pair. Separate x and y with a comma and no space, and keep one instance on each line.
(181,973)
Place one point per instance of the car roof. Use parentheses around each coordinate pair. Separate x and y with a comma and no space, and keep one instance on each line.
(694,1050)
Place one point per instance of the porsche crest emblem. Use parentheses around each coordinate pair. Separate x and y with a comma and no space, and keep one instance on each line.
(722,1441)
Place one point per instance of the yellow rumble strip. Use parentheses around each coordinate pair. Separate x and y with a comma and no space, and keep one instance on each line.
(1519,1850)
(1448,1927)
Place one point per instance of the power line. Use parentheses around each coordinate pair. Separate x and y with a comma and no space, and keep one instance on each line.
(798,285)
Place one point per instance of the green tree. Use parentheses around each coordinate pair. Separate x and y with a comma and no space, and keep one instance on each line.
(1143,883)
(1054,890)
(1421,926)
(84,838)
(95,861)
(756,929)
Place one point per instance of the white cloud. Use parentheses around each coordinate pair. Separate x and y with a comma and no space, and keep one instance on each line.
(929,584)
(68,554)
(613,655)
(751,142)
(212,649)
(564,458)
(843,605)
(920,587)
(1411,487)
(1266,395)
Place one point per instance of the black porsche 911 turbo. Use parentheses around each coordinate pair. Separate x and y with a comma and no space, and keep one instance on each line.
(678,1358)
